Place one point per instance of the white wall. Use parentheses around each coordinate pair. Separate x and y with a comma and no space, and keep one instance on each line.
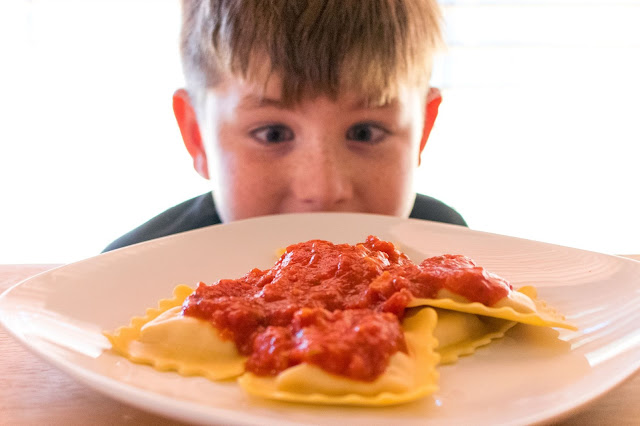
(89,145)
(539,132)
(537,137)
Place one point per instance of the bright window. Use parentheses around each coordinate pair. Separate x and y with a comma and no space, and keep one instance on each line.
(539,134)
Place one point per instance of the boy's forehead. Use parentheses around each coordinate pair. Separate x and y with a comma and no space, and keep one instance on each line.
(350,101)
(250,94)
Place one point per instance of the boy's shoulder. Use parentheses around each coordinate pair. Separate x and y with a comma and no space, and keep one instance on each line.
(429,208)
(200,211)
(194,213)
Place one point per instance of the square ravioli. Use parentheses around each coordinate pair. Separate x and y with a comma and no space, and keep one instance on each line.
(333,324)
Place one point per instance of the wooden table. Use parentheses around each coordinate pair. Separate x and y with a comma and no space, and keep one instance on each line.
(32,392)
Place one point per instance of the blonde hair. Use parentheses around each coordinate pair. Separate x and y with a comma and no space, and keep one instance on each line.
(314,46)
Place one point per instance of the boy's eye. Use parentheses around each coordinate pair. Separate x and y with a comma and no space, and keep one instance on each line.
(273,134)
(366,132)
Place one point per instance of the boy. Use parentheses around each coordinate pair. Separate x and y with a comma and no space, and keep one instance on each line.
(302,106)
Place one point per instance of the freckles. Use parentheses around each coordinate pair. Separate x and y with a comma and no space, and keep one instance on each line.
(258,186)
(388,183)
(392,170)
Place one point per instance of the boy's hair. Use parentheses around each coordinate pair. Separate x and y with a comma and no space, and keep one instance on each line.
(315,47)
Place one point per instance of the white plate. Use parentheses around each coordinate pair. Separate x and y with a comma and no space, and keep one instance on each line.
(532,375)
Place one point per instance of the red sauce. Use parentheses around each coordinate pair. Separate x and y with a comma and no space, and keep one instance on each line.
(337,306)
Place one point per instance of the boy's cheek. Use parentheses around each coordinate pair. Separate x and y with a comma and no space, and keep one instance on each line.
(394,198)
(244,189)
(390,185)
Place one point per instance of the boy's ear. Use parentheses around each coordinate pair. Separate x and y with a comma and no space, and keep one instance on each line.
(434,98)
(190,130)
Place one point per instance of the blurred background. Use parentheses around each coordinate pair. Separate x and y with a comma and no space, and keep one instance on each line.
(538,135)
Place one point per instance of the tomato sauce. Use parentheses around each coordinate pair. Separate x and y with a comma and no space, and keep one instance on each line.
(337,306)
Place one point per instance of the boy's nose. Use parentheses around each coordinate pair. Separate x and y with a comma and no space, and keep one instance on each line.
(321,181)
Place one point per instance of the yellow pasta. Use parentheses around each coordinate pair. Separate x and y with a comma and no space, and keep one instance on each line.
(541,314)
(167,340)
(407,378)
(460,334)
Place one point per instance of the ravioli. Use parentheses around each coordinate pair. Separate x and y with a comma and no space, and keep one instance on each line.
(167,340)
(460,333)
(521,306)
(334,324)
(408,377)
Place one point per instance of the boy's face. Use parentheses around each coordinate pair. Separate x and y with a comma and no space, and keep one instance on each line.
(319,155)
